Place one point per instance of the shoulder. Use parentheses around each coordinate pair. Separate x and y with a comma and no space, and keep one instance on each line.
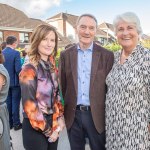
(102,49)
(15,51)
(28,70)
(2,69)
(29,66)
(143,53)
(68,50)
(146,58)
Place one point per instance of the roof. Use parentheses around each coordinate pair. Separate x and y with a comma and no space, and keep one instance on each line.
(145,37)
(12,17)
(105,25)
(101,33)
(72,19)
(63,41)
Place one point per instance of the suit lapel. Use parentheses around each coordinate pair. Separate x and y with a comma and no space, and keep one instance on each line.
(73,60)
(94,67)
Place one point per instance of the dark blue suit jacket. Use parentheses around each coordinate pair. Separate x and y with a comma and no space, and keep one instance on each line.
(12,64)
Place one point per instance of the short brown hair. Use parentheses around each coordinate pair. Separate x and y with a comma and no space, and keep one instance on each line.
(86,15)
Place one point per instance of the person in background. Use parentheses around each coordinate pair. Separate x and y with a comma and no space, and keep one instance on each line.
(4,117)
(83,69)
(128,96)
(13,65)
(69,45)
(23,56)
(26,49)
(43,111)
(3,45)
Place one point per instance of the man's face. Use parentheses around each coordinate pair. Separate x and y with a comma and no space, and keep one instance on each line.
(86,30)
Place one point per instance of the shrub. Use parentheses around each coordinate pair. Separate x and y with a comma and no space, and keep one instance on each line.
(112,47)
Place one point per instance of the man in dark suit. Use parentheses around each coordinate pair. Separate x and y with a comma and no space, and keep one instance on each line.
(13,65)
(83,70)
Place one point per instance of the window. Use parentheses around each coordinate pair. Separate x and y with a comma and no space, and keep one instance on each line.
(1,36)
(23,37)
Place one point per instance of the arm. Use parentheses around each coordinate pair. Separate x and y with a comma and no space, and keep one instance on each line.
(17,63)
(28,83)
(146,71)
(58,107)
(110,62)
(58,119)
(2,81)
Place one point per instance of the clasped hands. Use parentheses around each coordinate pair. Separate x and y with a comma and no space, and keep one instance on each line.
(55,134)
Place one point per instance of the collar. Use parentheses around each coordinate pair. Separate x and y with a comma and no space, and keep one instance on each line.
(89,49)
(46,65)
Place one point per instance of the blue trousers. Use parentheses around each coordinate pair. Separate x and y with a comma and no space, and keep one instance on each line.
(13,105)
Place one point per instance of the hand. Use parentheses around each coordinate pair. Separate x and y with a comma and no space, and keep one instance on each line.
(61,123)
(149,127)
(54,136)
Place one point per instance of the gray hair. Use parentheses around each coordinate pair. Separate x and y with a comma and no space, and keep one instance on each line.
(129,17)
(87,15)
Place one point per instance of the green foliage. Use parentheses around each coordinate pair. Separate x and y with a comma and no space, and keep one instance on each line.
(19,49)
(146,43)
(58,55)
(112,47)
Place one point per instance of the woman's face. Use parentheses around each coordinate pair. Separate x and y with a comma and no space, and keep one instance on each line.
(47,45)
(127,35)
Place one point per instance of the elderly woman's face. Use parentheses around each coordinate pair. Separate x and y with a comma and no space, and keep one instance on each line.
(127,35)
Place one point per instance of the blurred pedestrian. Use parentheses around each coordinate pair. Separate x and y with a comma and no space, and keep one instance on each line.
(3,45)
(13,65)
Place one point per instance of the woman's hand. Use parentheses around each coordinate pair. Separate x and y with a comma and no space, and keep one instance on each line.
(61,123)
(54,136)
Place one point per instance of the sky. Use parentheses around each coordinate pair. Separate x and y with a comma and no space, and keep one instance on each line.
(103,10)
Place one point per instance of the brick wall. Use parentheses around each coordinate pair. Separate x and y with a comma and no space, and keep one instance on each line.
(8,33)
